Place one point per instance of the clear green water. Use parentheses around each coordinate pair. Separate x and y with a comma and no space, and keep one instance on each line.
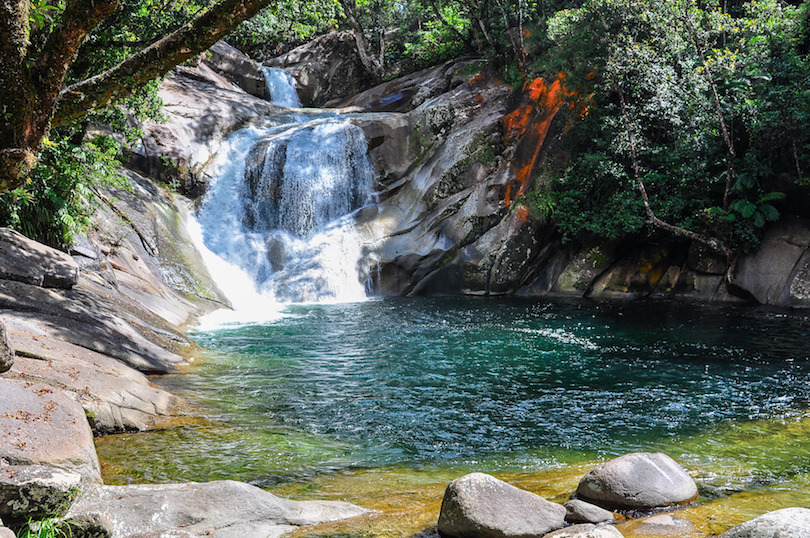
(439,387)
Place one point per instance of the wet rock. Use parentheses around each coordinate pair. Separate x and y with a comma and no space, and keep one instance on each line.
(115,397)
(25,260)
(40,425)
(6,351)
(787,522)
(637,481)
(586,530)
(35,491)
(481,506)
(663,525)
(219,509)
(636,275)
(235,66)
(577,511)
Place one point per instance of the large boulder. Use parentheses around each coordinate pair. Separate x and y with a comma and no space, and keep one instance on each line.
(224,509)
(35,491)
(114,396)
(236,67)
(784,523)
(326,68)
(6,351)
(40,425)
(25,260)
(776,273)
(586,530)
(638,481)
(481,506)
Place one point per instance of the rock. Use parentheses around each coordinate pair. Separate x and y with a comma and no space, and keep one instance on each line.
(577,511)
(222,509)
(5,532)
(39,425)
(25,260)
(235,66)
(637,481)
(481,506)
(784,523)
(36,491)
(326,68)
(586,530)
(638,274)
(115,397)
(6,351)
(663,525)
(766,276)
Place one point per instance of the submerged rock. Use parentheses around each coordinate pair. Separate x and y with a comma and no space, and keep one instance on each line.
(40,425)
(784,523)
(216,509)
(586,530)
(481,506)
(638,481)
(578,511)
(35,491)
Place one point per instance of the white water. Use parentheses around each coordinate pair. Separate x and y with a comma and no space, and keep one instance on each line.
(277,223)
(280,87)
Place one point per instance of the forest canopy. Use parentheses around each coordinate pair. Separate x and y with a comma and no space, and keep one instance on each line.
(695,123)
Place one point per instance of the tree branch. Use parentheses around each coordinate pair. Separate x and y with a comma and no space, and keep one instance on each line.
(155,60)
(372,64)
(452,28)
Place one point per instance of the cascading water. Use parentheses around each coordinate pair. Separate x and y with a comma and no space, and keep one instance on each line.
(281,211)
(280,87)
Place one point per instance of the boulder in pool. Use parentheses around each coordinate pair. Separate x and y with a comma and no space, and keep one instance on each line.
(638,481)
(787,522)
(579,511)
(481,506)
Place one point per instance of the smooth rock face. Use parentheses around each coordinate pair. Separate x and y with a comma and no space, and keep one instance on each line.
(27,261)
(5,532)
(6,351)
(641,481)
(39,425)
(785,523)
(237,68)
(586,530)
(224,509)
(481,506)
(115,397)
(35,491)
(577,511)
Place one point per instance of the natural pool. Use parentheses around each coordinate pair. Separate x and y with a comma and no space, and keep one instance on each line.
(383,402)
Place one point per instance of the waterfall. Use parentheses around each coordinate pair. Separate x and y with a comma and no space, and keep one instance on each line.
(282,209)
(280,87)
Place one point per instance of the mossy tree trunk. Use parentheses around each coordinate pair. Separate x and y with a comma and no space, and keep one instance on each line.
(32,80)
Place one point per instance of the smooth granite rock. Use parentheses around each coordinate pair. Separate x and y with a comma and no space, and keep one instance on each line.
(578,511)
(784,523)
(40,425)
(222,509)
(25,260)
(481,506)
(36,491)
(639,481)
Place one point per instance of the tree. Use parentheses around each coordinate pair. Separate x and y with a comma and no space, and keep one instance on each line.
(35,60)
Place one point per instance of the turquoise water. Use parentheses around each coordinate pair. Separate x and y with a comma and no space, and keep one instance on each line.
(480,384)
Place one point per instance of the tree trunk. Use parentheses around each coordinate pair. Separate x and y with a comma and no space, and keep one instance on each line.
(35,97)
(375,66)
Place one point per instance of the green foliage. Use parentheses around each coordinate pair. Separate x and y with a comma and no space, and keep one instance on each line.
(650,70)
(55,205)
(42,14)
(45,528)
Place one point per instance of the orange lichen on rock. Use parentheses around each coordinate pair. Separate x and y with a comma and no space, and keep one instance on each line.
(531,123)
